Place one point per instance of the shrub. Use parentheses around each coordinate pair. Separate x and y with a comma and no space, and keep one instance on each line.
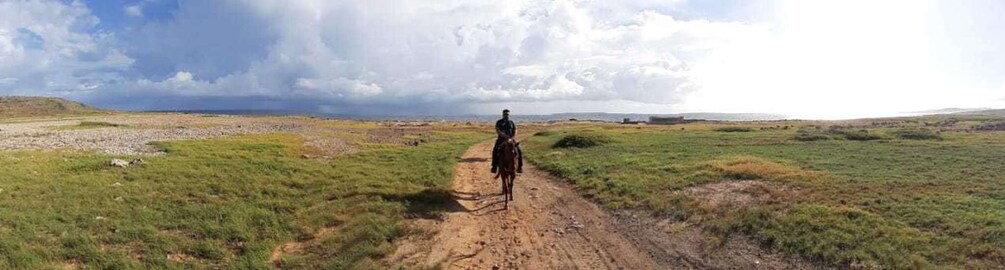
(580,141)
(861,135)
(734,129)
(544,133)
(808,135)
(855,135)
(917,134)
(98,124)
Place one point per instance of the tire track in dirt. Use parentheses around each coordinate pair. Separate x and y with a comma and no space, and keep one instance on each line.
(548,226)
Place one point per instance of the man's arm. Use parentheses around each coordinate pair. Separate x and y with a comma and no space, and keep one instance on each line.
(499,130)
(513,124)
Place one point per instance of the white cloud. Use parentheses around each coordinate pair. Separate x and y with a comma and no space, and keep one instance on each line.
(46,49)
(135,11)
(431,52)
(181,77)
(814,60)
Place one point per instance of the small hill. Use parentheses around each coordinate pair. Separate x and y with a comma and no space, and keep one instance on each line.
(949,111)
(994,112)
(42,106)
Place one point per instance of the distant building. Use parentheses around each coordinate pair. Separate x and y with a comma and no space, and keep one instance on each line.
(657,120)
(661,120)
(628,121)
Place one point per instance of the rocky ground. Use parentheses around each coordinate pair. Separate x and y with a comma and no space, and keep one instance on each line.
(132,134)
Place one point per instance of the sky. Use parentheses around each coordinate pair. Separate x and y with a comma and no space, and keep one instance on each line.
(804,59)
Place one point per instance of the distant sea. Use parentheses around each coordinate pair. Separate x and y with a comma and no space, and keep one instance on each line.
(607,117)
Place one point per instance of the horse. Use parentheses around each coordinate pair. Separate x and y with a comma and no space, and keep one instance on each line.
(508,156)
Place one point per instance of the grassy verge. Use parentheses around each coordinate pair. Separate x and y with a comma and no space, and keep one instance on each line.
(88,125)
(221,203)
(908,199)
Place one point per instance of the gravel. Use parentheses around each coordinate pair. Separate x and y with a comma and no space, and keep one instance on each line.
(138,131)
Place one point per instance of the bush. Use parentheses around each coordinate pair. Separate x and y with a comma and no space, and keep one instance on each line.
(807,135)
(544,133)
(855,135)
(861,135)
(734,129)
(579,141)
(917,134)
(97,124)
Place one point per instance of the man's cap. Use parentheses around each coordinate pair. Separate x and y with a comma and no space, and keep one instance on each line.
(506,111)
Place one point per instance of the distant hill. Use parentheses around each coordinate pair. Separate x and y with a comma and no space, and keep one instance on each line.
(995,112)
(949,111)
(42,106)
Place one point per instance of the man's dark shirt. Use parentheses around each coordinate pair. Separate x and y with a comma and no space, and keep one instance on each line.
(506,126)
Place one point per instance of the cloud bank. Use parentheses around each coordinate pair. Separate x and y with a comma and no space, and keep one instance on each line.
(344,55)
(827,59)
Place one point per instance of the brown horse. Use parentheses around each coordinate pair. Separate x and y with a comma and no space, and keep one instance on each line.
(508,156)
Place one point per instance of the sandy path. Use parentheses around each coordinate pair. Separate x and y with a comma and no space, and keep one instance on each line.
(548,226)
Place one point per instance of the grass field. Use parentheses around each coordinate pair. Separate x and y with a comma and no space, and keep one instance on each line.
(904,199)
(220,203)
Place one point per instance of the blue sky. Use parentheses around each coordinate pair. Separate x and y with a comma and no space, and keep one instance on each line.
(813,59)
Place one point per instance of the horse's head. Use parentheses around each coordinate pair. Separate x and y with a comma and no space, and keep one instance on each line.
(510,145)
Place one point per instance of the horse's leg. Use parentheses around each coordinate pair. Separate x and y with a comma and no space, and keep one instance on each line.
(509,184)
(505,188)
(506,192)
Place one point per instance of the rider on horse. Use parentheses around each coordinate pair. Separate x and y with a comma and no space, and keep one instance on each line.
(506,129)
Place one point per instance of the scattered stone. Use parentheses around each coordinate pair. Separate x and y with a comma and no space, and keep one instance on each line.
(117,184)
(99,218)
(137,161)
(118,163)
(305,156)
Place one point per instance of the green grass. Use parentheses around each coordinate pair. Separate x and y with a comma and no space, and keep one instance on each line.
(88,125)
(896,202)
(734,129)
(916,134)
(221,203)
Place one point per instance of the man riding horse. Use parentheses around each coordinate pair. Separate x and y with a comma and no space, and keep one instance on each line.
(506,129)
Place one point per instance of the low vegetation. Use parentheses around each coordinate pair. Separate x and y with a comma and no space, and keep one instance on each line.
(579,141)
(734,129)
(855,135)
(245,202)
(809,135)
(871,194)
(89,125)
(916,134)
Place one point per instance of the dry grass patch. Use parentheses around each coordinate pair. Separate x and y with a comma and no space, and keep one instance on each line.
(729,196)
(756,168)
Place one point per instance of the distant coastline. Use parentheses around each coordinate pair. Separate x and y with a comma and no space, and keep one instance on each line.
(609,117)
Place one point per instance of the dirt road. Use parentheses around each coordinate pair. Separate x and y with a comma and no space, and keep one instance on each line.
(547,226)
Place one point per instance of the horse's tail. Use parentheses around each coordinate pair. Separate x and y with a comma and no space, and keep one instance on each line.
(498,174)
